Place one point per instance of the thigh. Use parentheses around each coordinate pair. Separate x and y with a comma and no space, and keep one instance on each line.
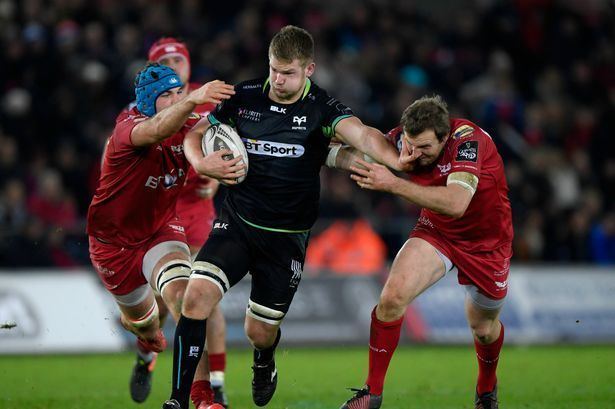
(416,267)
(119,268)
(276,273)
(225,258)
(488,272)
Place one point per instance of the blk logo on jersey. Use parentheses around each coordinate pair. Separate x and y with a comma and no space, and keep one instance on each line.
(277,109)
(467,152)
(277,149)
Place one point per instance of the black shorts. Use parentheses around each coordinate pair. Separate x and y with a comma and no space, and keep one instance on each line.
(274,259)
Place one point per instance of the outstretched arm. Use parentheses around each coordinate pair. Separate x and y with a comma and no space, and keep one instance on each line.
(369,141)
(170,120)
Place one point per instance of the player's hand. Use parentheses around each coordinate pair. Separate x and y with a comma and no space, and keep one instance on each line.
(373,176)
(212,92)
(214,165)
(207,187)
(407,156)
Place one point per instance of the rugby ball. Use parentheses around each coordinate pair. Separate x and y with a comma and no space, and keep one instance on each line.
(222,136)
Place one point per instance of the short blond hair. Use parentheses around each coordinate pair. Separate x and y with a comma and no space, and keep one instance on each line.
(291,43)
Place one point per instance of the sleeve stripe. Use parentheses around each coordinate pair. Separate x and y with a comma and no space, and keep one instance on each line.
(212,119)
(336,121)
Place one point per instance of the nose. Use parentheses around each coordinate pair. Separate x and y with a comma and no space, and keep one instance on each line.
(278,79)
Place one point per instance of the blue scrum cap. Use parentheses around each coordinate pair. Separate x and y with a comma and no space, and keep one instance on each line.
(152,81)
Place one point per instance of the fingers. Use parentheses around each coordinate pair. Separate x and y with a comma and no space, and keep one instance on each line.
(360,171)
(362,182)
(215,91)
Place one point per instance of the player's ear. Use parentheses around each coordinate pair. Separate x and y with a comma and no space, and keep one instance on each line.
(309,69)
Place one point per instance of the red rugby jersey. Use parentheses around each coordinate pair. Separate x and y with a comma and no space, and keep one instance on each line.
(487,222)
(138,186)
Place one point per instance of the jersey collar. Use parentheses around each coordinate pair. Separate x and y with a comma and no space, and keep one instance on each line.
(306,88)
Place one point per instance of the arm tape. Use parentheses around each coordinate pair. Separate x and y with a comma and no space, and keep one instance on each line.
(465,179)
(332,156)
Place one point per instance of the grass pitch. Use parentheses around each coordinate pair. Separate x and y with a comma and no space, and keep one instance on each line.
(419,377)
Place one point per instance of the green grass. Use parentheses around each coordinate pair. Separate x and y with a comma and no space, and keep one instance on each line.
(419,377)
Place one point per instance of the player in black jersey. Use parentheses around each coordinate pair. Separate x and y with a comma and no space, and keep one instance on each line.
(286,122)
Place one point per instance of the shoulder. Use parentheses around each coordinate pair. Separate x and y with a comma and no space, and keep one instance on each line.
(129,116)
(462,129)
(326,102)
(394,136)
(254,87)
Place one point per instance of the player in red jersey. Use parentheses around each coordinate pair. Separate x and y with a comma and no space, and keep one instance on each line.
(135,236)
(465,225)
(195,207)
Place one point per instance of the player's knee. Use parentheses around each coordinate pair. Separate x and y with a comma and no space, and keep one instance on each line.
(171,281)
(392,304)
(200,299)
(145,324)
(483,331)
(260,336)
(262,324)
(192,305)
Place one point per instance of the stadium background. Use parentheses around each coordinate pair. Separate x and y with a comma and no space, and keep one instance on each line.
(538,75)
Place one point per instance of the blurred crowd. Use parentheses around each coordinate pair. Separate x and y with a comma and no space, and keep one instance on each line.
(538,75)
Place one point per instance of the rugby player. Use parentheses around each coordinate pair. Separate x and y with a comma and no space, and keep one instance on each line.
(286,122)
(465,228)
(137,244)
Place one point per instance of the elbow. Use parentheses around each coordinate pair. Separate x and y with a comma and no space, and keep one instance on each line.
(456,214)
(457,210)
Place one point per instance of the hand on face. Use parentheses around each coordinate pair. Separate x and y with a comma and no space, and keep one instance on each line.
(407,156)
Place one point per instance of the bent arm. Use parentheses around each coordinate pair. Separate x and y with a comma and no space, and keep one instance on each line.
(162,125)
(192,143)
(451,200)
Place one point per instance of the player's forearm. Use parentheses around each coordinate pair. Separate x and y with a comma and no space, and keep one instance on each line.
(345,157)
(192,148)
(439,199)
(170,120)
(375,145)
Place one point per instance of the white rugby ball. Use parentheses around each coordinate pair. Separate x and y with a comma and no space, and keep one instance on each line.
(222,136)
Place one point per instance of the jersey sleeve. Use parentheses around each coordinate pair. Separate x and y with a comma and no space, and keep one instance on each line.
(394,137)
(334,111)
(468,152)
(225,112)
(123,129)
